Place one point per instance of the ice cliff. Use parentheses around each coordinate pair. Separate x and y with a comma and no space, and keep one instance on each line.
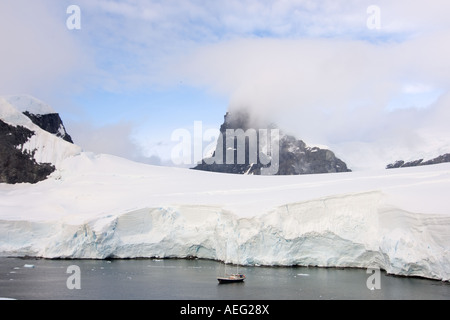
(105,207)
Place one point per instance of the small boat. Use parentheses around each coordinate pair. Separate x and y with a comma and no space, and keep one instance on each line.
(231,278)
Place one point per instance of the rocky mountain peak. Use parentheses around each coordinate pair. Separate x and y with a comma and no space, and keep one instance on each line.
(51,123)
(33,140)
(265,146)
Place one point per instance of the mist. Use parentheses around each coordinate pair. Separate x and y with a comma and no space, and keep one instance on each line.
(335,92)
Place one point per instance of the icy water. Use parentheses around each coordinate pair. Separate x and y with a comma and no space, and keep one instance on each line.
(31,279)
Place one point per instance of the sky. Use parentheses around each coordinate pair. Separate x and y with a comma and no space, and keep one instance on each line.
(368,79)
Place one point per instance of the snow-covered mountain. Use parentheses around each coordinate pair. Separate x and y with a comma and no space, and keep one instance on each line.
(34,140)
(294,156)
(41,114)
(101,206)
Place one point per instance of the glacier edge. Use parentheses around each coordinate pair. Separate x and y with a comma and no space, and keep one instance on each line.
(352,230)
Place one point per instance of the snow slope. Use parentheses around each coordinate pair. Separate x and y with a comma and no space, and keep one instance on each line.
(47,147)
(28,103)
(100,206)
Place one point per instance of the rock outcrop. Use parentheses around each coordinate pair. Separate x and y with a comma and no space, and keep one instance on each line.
(402,164)
(33,140)
(16,165)
(270,145)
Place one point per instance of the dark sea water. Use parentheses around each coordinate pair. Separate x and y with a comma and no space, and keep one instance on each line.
(34,279)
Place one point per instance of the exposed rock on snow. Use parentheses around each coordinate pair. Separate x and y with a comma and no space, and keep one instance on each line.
(402,164)
(34,140)
(51,123)
(295,157)
(18,165)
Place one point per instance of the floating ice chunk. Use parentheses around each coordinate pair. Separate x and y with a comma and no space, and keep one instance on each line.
(31,266)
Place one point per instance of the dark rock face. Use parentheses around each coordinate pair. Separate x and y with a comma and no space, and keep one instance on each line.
(402,164)
(296,158)
(293,155)
(17,166)
(51,123)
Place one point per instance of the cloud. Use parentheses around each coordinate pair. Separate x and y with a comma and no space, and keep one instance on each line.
(312,66)
(330,91)
(115,139)
(128,44)
(122,139)
(38,54)
(137,41)
(132,44)
(111,139)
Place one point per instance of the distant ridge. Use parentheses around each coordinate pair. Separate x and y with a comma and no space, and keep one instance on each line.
(402,164)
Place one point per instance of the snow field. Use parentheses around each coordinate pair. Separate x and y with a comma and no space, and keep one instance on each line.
(99,206)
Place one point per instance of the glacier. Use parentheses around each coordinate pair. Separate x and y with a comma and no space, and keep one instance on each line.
(101,206)
(97,206)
